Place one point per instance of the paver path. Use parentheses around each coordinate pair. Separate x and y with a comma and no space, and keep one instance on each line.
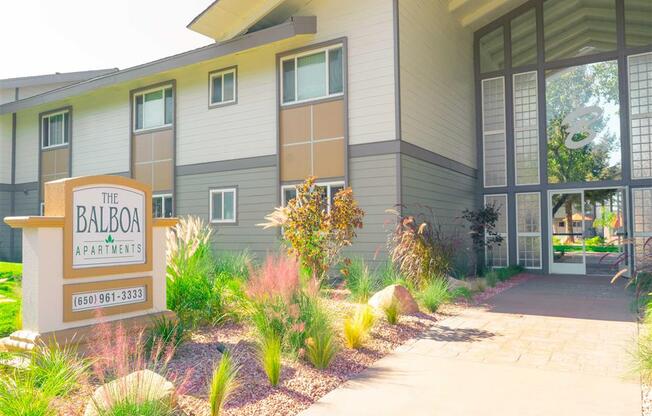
(553,345)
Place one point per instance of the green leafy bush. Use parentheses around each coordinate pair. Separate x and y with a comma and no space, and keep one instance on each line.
(435,294)
(491,278)
(224,382)
(269,353)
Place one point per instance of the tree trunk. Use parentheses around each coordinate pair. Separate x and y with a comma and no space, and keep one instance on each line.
(568,206)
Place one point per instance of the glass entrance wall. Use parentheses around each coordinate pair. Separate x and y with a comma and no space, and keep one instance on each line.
(565,101)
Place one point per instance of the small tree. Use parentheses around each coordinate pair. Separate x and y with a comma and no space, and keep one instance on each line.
(315,233)
(482,223)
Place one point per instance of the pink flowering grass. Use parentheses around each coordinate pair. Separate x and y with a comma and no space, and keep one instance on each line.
(277,278)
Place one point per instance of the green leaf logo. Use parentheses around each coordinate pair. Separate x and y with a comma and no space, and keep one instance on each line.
(109,239)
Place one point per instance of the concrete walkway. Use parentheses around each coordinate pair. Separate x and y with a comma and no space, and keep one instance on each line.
(553,345)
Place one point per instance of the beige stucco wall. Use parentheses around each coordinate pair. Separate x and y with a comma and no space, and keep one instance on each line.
(437,80)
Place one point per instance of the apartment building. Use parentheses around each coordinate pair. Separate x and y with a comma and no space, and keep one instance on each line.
(540,107)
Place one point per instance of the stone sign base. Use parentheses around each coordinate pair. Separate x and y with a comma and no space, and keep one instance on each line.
(23,341)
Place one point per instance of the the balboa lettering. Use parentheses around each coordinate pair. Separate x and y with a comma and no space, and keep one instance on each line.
(98,220)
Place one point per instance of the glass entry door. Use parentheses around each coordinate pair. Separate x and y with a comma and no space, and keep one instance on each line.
(588,231)
(567,232)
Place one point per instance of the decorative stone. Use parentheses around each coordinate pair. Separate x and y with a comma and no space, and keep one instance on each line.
(395,293)
(454,283)
(142,386)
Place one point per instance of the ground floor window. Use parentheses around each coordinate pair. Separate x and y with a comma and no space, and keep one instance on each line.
(642,201)
(223,205)
(528,229)
(498,255)
(162,206)
(329,190)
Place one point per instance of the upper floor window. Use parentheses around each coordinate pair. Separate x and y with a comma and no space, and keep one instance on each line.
(55,129)
(312,75)
(223,87)
(153,108)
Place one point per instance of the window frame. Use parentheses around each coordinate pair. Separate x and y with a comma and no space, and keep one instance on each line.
(212,191)
(142,93)
(222,72)
(529,234)
(328,185)
(163,196)
(309,52)
(67,128)
(504,235)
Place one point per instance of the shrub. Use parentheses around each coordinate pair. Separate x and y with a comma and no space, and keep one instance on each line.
(163,334)
(146,408)
(420,250)
(491,278)
(224,382)
(321,347)
(314,234)
(278,278)
(19,396)
(234,264)
(435,294)
(358,326)
(57,370)
(462,292)
(482,223)
(389,275)
(359,280)
(392,311)
(269,353)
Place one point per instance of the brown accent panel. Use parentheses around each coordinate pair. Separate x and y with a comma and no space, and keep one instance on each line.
(295,162)
(328,120)
(48,163)
(143,173)
(295,125)
(162,176)
(70,289)
(329,158)
(142,148)
(162,145)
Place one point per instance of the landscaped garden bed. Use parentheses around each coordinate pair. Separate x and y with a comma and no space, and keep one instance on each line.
(261,337)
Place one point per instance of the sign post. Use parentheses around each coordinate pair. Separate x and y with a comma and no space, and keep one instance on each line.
(97,252)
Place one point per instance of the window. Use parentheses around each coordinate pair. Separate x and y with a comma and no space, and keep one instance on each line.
(289,192)
(638,30)
(526,128)
(312,75)
(493,132)
(153,109)
(498,255)
(55,129)
(524,39)
(492,51)
(642,201)
(162,206)
(640,113)
(528,229)
(223,205)
(223,87)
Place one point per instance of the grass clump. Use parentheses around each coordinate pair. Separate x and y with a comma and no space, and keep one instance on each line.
(146,408)
(57,370)
(224,382)
(359,280)
(10,319)
(392,311)
(20,396)
(269,353)
(435,294)
(358,326)
(164,334)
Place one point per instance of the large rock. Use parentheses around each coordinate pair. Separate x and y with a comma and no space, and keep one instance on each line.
(395,293)
(142,386)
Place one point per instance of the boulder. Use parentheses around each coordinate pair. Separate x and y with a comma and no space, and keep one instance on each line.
(395,293)
(141,386)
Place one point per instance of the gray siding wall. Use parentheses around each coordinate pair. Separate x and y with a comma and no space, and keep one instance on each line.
(256,198)
(447,193)
(5,210)
(26,204)
(374,183)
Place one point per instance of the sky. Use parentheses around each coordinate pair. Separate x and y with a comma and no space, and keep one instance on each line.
(46,36)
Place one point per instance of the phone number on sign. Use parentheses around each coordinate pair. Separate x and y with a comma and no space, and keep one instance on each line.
(106,298)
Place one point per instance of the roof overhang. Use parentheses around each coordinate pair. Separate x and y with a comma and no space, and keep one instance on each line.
(56,78)
(300,25)
(477,13)
(225,19)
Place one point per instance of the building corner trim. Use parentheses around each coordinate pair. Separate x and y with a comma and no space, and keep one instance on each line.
(397,101)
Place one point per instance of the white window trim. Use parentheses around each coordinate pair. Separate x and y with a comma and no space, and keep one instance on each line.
(538,181)
(529,234)
(490,132)
(163,196)
(135,110)
(327,185)
(65,128)
(235,205)
(504,235)
(295,57)
(222,72)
